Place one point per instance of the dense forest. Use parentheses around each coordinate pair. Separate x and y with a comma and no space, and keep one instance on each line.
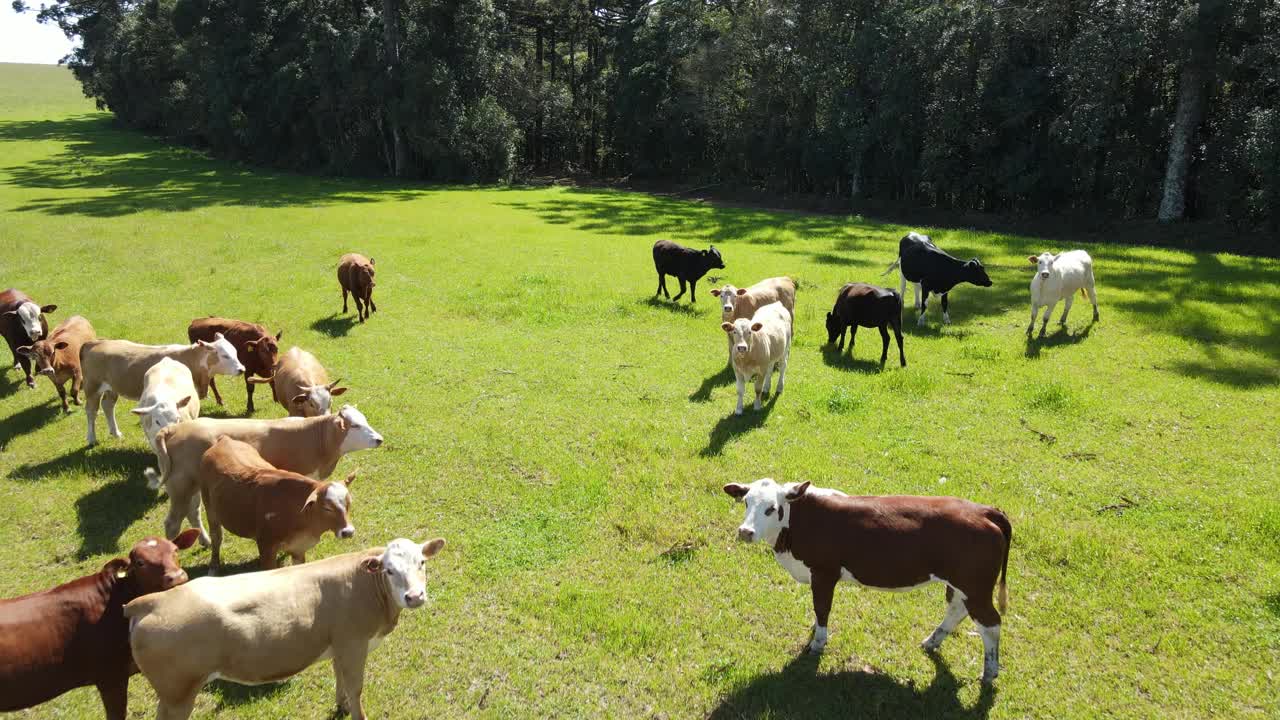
(1124,108)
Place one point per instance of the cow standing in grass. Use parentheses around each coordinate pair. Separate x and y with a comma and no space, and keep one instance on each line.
(760,345)
(930,270)
(736,302)
(861,305)
(58,356)
(1058,277)
(355,275)
(22,322)
(685,264)
(255,348)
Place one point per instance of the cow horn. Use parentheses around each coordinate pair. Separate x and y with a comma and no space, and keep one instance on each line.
(261,381)
(333,384)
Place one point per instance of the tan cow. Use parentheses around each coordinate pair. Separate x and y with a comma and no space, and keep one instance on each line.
(310,446)
(736,302)
(58,356)
(280,510)
(116,368)
(266,626)
(168,397)
(301,385)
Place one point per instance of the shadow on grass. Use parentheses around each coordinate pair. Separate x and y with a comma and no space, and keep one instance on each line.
(732,425)
(1244,377)
(335,325)
(96,462)
(680,307)
(1272,602)
(231,694)
(844,360)
(799,691)
(1059,338)
(8,385)
(244,566)
(722,377)
(28,420)
(105,513)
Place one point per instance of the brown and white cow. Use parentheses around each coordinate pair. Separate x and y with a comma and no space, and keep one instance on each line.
(255,348)
(57,357)
(22,322)
(76,634)
(309,446)
(280,510)
(887,542)
(736,302)
(266,626)
(301,385)
(355,275)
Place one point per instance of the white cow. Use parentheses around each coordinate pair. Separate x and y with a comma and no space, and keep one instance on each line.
(168,396)
(760,345)
(1058,277)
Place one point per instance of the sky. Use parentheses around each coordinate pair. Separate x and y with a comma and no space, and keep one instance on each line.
(23,40)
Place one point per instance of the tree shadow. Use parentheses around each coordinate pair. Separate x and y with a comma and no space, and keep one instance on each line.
(844,360)
(230,694)
(799,691)
(680,307)
(335,325)
(105,513)
(1272,602)
(732,425)
(723,376)
(28,420)
(1058,338)
(1245,377)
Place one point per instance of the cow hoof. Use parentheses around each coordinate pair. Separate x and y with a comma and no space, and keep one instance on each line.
(737,412)
(815,649)
(117,434)
(31,384)
(988,679)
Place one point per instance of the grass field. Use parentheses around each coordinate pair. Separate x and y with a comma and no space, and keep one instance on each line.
(569,436)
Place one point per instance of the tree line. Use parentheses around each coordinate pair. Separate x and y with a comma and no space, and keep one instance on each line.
(1123,109)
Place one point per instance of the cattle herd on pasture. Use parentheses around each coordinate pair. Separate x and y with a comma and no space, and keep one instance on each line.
(267,481)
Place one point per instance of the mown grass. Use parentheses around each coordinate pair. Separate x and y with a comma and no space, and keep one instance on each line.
(569,436)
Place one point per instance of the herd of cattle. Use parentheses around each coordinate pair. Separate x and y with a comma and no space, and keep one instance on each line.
(267,480)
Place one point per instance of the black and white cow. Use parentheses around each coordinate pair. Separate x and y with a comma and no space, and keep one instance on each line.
(930,270)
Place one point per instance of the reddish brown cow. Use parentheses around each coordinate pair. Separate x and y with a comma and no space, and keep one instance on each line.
(355,275)
(823,536)
(255,347)
(280,510)
(76,634)
(58,356)
(22,322)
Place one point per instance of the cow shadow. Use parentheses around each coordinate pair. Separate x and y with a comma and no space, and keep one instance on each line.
(8,385)
(724,376)
(335,325)
(732,425)
(842,360)
(682,307)
(228,568)
(28,420)
(106,513)
(230,694)
(1058,338)
(99,461)
(798,691)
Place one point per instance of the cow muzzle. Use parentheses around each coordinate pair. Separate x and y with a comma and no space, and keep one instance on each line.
(1044,275)
(45,371)
(415,598)
(174,579)
(746,534)
(742,349)
(347,532)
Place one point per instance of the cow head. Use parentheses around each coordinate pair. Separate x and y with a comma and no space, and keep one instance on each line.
(314,400)
(153,562)
(403,564)
(728,300)
(329,507)
(712,258)
(767,511)
(357,434)
(834,328)
(160,415)
(976,274)
(1043,263)
(363,275)
(28,316)
(266,350)
(741,334)
(222,360)
(42,354)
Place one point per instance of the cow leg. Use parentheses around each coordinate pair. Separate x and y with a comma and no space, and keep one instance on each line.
(109,412)
(1032,325)
(91,399)
(988,622)
(267,555)
(917,295)
(1093,295)
(742,388)
(1048,310)
(956,612)
(177,510)
(298,558)
(884,339)
(115,697)
(946,310)
(1066,308)
(897,334)
(682,288)
(693,291)
(248,394)
(823,585)
(344,299)
(77,380)
(62,395)
(658,292)
(215,543)
(193,517)
(759,383)
(369,300)
(348,664)
(853,338)
(924,306)
(213,385)
(782,370)
(176,710)
(25,363)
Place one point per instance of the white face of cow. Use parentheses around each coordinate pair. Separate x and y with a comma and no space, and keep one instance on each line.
(317,400)
(160,415)
(728,300)
(1043,263)
(29,318)
(360,436)
(404,564)
(766,503)
(740,334)
(223,361)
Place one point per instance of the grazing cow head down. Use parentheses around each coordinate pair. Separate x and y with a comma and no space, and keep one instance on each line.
(742,332)
(223,360)
(403,564)
(41,354)
(28,315)
(834,328)
(976,274)
(712,258)
(766,503)
(332,503)
(266,349)
(728,299)
(160,415)
(314,400)
(359,435)
(153,562)
(1043,263)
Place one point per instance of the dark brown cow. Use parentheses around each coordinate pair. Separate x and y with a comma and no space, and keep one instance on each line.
(255,347)
(888,542)
(861,305)
(355,275)
(22,322)
(282,511)
(58,356)
(76,634)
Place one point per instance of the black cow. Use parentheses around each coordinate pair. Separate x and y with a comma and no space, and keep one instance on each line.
(862,305)
(686,264)
(933,271)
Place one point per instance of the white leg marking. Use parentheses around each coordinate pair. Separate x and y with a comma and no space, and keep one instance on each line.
(956,612)
(990,652)
(819,642)
(742,388)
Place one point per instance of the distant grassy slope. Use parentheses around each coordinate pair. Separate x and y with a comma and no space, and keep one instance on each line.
(569,437)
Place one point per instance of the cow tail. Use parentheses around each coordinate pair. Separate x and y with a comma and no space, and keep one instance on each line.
(1002,521)
(892,266)
(154,480)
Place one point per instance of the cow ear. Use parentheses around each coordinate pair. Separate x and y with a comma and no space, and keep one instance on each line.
(371,565)
(727,327)
(798,491)
(736,491)
(183,402)
(11,312)
(755,327)
(337,391)
(351,477)
(186,538)
(299,399)
(60,345)
(249,344)
(142,409)
(25,350)
(48,309)
(314,496)
(1033,259)
(117,567)
(742,291)
(279,335)
(715,293)
(432,547)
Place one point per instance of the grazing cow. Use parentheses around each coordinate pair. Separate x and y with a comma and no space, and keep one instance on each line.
(760,345)
(76,635)
(930,270)
(861,305)
(255,348)
(310,446)
(1058,277)
(686,264)
(22,322)
(887,542)
(282,511)
(355,275)
(58,356)
(301,385)
(263,627)
(116,368)
(168,397)
(736,302)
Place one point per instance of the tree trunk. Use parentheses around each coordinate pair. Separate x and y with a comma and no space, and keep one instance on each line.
(391,41)
(1194,84)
